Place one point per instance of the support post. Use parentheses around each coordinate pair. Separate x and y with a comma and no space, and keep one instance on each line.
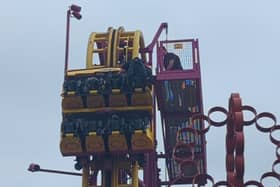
(85,176)
(135,175)
(67,42)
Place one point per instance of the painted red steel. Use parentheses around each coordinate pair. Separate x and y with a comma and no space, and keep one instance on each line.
(235,139)
(185,148)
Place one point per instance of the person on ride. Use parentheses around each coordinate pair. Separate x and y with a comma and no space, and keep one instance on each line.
(173,88)
(171,61)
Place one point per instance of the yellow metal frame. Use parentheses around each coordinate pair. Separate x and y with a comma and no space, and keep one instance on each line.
(71,101)
(142,98)
(117,142)
(95,100)
(112,39)
(97,37)
(143,141)
(85,176)
(120,164)
(94,143)
(117,99)
(116,45)
(117,164)
(97,69)
(135,37)
(70,145)
(127,108)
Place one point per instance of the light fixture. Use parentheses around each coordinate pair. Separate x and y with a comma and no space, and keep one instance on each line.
(77,15)
(75,8)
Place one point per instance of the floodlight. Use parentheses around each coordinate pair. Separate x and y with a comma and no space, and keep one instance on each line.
(77,15)
(34,167)
(75,8)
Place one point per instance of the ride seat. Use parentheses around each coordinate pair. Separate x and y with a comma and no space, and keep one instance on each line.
(70,145)
(71,101)
(95,100)
(140,97)
(117,99)
(94,143)
(142,141)
(117,142)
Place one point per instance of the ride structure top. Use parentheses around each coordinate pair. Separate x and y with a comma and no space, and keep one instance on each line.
(110,110)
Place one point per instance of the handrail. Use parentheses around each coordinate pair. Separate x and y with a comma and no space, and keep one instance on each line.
(150,47)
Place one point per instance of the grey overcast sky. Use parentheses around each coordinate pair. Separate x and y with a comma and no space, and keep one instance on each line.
(239,51)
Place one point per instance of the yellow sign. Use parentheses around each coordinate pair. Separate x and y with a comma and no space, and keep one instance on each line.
(178,46)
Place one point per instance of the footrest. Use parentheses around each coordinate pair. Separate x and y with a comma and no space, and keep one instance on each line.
(142,141)
(70,145)
(117,98)
(94,100)
(140,97)
(94,143)
(117,142)
(72,101)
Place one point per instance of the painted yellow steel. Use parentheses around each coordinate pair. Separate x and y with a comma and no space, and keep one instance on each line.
(94,143)
(90,50)
(118,165)
(141,45)
(71,93)
(136,44)
(116,45)
(117,142)
(135,175)
(116,91)
(92,42)
(85,176)
(70,145)
(97,69)
(93,91)
(108,47)
(71,101)
(134,37)
(143,141)
(126,108)
(117,99)
(140,97)
(95,100)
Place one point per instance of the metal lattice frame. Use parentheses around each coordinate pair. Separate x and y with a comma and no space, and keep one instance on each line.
(235,162)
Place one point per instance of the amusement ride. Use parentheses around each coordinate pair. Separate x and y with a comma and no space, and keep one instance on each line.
(113,109)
